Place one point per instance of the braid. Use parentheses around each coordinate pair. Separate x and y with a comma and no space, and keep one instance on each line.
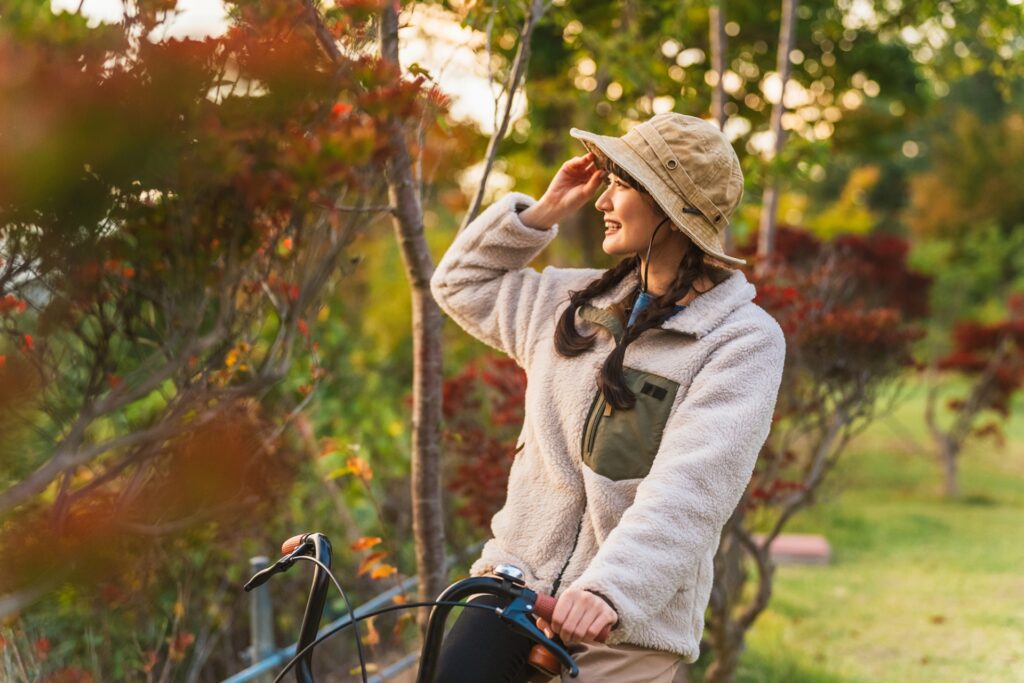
(568,341)
(611,380)
(695,264)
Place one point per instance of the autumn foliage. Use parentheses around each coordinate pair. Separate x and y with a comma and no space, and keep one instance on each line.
(992,350)
(990,357)
(483,413)
(171,212)
(850,309)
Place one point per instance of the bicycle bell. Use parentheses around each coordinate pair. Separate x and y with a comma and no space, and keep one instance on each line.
(512,573)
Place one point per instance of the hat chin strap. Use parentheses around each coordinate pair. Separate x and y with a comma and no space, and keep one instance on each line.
(647,261)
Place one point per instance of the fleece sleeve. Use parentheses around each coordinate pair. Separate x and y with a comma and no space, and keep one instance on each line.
(483,281)
(702,467)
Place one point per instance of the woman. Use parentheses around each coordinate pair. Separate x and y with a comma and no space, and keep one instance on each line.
(651,387)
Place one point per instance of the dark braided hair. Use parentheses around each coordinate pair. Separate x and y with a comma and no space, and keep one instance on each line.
(569,342)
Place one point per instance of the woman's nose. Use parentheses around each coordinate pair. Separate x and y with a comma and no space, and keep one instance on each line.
(603,203)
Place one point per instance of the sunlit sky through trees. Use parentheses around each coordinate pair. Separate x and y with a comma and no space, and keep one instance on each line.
(431,37)
(455,56)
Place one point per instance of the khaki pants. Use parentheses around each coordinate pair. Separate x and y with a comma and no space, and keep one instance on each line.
(618,664)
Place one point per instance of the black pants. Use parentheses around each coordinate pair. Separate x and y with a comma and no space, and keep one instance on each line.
(479,648)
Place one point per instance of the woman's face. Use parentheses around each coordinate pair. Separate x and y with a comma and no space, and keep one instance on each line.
(629,220)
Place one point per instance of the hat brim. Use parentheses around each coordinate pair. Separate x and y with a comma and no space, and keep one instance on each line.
(696,227)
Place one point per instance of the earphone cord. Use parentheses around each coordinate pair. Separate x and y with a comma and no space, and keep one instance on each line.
(647,261)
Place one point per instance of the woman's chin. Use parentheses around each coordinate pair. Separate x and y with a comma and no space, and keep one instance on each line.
(612,248)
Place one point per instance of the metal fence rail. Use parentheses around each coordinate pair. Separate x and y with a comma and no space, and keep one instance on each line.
(277,658)
(396,668)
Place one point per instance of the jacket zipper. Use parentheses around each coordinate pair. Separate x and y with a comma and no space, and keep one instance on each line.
(579,526)
(597,423)
(572,551)
(587,425)
(586,448)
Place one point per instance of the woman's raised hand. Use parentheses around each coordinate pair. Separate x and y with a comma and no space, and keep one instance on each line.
(572,187)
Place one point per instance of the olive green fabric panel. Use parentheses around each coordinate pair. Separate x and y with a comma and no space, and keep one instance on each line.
(622,444)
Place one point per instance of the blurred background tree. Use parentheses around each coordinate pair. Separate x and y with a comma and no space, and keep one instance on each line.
(171,212)
(902,126)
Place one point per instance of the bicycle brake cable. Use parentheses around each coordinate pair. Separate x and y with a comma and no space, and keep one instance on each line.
(353,619)
(348,606)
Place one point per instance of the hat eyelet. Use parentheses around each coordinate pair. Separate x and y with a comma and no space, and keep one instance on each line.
(671,163)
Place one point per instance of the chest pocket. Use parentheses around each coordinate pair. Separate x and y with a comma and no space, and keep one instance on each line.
(621,444)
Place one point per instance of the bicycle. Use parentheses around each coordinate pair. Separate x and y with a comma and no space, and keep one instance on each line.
(507,582)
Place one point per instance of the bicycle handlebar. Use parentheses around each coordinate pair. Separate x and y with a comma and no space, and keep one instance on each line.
(524,603)
(516,615)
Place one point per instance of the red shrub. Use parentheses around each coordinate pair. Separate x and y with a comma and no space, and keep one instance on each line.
(483,412)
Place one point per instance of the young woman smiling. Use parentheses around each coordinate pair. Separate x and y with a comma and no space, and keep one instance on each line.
(651,387)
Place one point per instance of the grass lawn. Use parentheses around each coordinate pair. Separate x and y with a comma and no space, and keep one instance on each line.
(920,589)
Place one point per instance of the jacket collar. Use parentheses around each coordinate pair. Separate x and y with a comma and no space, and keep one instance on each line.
(700,317)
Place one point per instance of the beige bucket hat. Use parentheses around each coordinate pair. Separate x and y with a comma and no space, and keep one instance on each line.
(688,166)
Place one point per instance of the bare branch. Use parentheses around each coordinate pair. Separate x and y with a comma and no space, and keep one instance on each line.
(163,528)
(66,457)
(825,455)
(765,572)
(323,36)
(490,59)
(13,603)
(516,77)
(359,209)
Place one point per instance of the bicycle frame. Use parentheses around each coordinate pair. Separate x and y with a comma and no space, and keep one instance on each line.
(314,607)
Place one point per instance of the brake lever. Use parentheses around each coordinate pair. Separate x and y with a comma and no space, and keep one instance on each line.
(517,616)
(282,565)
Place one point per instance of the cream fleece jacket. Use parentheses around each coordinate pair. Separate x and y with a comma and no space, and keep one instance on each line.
(645,543)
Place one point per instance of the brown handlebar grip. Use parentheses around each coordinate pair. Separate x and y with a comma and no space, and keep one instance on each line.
(545,608)
(289,546)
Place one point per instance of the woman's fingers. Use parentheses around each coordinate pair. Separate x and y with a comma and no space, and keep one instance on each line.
(544,626)
(595,628)
(562,609)
(580,616)
(580,163)
(584,623)
(568,632)
(571,188)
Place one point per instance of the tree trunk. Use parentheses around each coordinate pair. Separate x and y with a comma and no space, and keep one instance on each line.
(770,202)
(948,453)
(724,636)
(517,75)
(718,41)
(946,442)
(428,517)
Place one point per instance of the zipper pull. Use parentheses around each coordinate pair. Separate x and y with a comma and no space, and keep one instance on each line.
(607,409)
